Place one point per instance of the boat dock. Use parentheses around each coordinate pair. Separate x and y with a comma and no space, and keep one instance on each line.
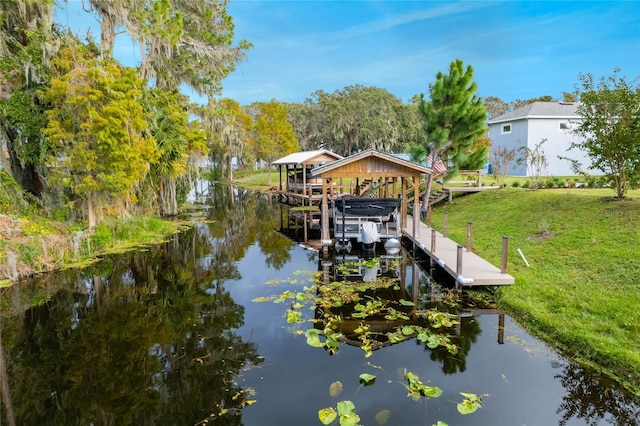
(466,267)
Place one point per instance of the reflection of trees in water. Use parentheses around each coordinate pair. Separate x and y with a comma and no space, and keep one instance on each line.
(142,338)
(242,217)
(590,399)
(467,334)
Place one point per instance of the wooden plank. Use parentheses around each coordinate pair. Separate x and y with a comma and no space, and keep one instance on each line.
(475,270)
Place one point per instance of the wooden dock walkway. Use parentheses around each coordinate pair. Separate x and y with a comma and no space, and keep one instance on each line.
(475,271)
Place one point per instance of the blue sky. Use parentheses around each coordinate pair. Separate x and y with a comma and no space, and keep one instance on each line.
(518,49)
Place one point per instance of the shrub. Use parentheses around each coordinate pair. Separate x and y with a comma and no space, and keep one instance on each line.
(101,236)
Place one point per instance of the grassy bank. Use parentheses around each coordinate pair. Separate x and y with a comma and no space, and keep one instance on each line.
(581,291)
(33,244)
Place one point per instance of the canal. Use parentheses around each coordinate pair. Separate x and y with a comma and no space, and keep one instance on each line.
(233,322)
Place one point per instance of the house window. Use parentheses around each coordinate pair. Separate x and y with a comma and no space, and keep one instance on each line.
(564,125)
(506,129)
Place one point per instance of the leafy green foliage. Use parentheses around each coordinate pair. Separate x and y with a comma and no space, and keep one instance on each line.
(177,141)
(97,130)
(610,129)
(357,118)
(273,135)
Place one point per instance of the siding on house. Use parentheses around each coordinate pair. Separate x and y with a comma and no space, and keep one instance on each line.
(532,124)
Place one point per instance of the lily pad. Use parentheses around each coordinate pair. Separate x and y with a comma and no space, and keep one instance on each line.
(335,388)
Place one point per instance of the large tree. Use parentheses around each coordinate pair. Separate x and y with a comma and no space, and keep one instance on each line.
(182,43)
(228,129)
(453,117)
(273,133)
(495,107)
(357,118)
(178,140)
(26,46)
(610,128)
(100,145)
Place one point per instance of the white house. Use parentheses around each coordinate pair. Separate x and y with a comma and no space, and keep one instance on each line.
(533,123)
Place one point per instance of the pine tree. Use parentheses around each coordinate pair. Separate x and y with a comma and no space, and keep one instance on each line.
(454,118)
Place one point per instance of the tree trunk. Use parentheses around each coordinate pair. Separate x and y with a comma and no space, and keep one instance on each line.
(168,202)
(91,214)
(26,176)
(230,167)
(425,199)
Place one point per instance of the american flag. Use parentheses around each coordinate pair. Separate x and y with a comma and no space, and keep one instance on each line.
(438,166)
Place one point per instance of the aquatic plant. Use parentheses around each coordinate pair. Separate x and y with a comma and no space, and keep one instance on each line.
(416,389)
(471,403)
(345,410)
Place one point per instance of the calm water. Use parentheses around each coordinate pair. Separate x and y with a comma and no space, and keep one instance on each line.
(188,331)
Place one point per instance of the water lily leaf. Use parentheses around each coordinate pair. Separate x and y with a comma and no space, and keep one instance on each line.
(406,302)
(335,388)
(261,299)
(472,403)
(431,391)
(382,417)
(313,338)
(293,316)
(367,379)
(350,419)
(345,408)
(327,415)
(408,330)
(466,407)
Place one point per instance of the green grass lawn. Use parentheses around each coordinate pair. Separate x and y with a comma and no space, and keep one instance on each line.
(581,291)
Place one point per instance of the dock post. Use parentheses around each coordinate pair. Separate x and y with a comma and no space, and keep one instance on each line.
(444,230)
(433,240)
(469,236)
(505,245)
(429,216)
(459,267)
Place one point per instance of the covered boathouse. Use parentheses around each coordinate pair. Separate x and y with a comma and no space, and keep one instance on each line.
(388,175)
(296,184)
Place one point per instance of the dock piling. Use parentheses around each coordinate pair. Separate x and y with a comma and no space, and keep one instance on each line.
(505,245)
(459,268)
(469,236)
(444,228)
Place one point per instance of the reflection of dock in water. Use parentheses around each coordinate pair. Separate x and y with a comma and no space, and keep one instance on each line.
(398,282)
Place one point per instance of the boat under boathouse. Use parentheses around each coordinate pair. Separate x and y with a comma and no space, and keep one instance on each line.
(376,174)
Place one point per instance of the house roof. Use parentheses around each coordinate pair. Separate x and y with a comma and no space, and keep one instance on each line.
(319,156)
(378,164)
(540,110)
